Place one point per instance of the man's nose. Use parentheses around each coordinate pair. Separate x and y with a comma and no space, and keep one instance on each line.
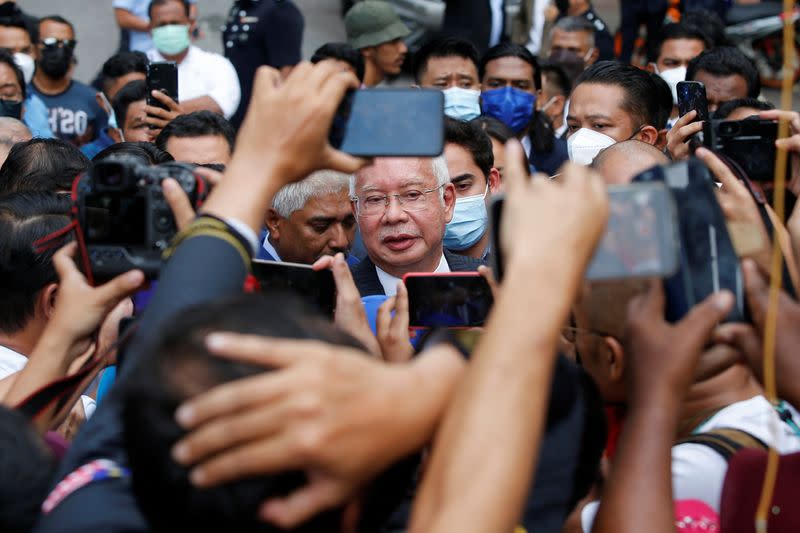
(394,212)
(338,239)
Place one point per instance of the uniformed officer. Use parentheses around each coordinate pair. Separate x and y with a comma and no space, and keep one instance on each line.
(261,32)
(602,37)
(634,14)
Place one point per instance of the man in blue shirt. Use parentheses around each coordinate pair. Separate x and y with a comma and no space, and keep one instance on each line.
(74,113)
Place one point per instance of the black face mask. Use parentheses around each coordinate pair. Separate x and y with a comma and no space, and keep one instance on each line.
(10,108)
(55,61)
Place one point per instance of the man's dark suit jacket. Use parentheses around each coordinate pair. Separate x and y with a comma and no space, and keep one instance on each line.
(368,284)
(470,20)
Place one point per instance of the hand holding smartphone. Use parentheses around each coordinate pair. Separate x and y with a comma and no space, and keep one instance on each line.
(316,287)
(162,76)
(451,300)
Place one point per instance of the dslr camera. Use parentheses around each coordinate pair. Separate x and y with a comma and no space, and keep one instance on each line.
(749,142)
(123,215)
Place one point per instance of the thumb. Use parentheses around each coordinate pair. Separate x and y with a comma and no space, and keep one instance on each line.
(300,505)
(179,204)
(757,292)
(109,294)
(336,160)
(698,324)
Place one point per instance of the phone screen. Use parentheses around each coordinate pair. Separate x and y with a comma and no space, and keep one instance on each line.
(316,287)
(162,76)
(390,122)
(692,96)
(447,300)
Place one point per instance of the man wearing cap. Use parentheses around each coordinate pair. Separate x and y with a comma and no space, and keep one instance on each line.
(375,30)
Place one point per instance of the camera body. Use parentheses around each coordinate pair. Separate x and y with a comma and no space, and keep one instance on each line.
(124,217)
(750,142)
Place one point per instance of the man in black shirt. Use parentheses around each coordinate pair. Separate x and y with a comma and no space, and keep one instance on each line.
(261,32)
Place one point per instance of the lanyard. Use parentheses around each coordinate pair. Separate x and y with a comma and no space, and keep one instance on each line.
(786,415)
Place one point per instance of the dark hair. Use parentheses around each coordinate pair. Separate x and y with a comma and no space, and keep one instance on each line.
(41,165)
(494,128)
(444,47)
(681,30)
(342,52)
(511,50)
(641,92)
(575,24)
(197,124)
(557,78)
(725,109)
(471,137)
(664,99)
(131,92)
(120,65)
(28,469)
(726,61)
(8,59)
(156,3)
(11,16)
(707,22)
(176,366)
(59,19)
(144,152)
(26,217)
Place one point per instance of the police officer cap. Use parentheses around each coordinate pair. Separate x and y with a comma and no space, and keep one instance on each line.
(373,22)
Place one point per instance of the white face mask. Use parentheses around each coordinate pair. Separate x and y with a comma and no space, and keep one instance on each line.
(672,77)
(584,145)
(26,65)
(462,104)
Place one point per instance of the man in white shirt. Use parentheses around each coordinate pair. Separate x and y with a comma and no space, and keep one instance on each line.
(206,81)
(131,16)
(402,206)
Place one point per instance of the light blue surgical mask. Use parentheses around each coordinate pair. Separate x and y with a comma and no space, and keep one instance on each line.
(462,104)
(171,39)
(112,116)
(469,222)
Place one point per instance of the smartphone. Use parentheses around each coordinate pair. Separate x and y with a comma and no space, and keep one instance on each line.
(641,238)
(708,260)
(447,300)
(692,96)
(749,142)
(162,76)
(390,122)
(315,287)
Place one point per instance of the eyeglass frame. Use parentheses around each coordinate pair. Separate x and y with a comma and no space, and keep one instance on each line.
(60,43)
(386,200)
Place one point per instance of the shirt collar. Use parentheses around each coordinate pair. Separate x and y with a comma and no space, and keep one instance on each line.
(155,55)
(390,282)
(269,248)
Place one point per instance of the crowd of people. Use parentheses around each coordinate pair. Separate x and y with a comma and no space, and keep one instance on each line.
(195,402)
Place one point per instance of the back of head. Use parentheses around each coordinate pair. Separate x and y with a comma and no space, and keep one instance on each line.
(620,162)
(341,52)
(726,61)
(120,65)
(471,137)
(294,196)
(507,49)
(707,22)
(664,99)
(145,153)
(642,100)
(11,15)
(26,217)
(576,24)
(726,109)
(558,82)
(41,165)
(131,92)
(496,129)
(26,471)
(443,47)
(177,366)
(197,124)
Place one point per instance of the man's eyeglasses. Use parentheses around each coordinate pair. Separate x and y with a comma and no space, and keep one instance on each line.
(376,204)
(60,43)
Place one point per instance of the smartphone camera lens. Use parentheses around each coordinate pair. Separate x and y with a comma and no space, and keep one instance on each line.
(729,128)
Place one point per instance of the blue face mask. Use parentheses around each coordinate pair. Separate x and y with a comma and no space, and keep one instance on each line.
(462,104)
(469,222)
(509,105)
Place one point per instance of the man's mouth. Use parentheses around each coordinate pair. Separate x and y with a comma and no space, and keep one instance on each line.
(399,242)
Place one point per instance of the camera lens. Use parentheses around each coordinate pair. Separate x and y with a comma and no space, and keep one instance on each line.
(111,179)
(729,128)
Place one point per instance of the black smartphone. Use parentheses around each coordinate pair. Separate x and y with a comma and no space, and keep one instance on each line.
(316,287)
(749,142)
(390,122)
(692,96)
(641,238)
(708,260)
(162,76)
(447,300)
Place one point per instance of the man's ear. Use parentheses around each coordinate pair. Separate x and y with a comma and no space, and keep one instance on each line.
(647,134)
(661,142)
(593,57)
(46,301)
(368,52)
(114,134)
(273,223)
(651,67)
(615,355)
(494,181)
(449,201)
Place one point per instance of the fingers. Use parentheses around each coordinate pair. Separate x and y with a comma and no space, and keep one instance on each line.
(793,117)
(514,173)
(384,318)
(648,305)
(211,176)
(178,202)
(685,120)
(158,115)
(487,274)
(342,162)
(300,505)
(401,309)
(345,286)
(323,263)
(757,292)
(730,183)
(113,292)
(258,350)
(166,100)
(64,261)
(697,325)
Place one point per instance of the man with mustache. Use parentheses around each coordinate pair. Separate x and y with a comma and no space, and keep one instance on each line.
(402,206)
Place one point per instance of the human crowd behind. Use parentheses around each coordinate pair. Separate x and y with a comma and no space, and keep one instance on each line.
(580,408)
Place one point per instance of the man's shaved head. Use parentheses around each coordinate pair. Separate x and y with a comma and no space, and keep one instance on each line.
(620,162)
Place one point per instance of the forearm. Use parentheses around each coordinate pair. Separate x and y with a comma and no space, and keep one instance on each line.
(49,361)
(639,490)
(507,381)
(128,21)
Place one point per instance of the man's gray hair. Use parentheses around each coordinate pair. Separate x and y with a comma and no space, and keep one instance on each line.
(573,24)
(295,196)
(440,172)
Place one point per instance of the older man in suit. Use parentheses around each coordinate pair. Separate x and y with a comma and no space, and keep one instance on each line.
(402,206)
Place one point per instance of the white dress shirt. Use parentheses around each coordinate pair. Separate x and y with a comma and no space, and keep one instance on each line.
(271,249)
(390,282)
(12,362)
(498,14)
(204,73)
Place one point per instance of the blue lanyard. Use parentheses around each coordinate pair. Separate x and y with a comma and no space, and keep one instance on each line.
(786,415)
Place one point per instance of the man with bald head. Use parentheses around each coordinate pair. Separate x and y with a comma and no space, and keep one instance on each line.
(402,205)
(12,131)
(620,162)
